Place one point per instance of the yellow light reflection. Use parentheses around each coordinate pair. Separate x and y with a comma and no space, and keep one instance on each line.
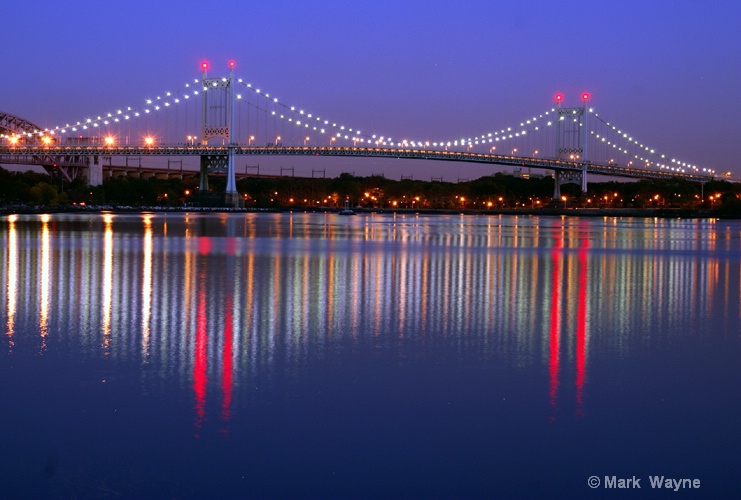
(44,273)
(12,279)
(147,286)
(107,281)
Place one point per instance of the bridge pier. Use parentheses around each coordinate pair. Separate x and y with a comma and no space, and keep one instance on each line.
(94,174)
(203,184)
(219,163)
(566,176)
(584,178)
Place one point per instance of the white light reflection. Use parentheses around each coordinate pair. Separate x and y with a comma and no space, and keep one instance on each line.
(107,281)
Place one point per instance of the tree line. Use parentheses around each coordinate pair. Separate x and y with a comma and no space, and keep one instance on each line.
(498,191)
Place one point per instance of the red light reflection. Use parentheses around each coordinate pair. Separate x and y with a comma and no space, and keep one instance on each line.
(200,377)
(554,347)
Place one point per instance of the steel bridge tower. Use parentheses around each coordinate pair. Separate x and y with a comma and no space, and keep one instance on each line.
(572,132)
(218,121)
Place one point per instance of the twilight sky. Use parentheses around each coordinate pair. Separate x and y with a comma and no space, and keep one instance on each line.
(667,71)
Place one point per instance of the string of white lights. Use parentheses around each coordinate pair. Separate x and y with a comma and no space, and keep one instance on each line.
(122,114)
(302,119)
(676,165)
(525,127)
(308,121)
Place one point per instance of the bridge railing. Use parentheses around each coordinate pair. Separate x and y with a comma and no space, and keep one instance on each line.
(42,152)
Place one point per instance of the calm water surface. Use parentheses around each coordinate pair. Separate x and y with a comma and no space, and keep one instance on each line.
(377,356)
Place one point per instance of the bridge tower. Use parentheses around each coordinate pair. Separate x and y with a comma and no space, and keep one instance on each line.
(218,121)
(572,132)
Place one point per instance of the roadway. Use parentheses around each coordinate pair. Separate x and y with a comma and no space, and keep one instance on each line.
(77,154)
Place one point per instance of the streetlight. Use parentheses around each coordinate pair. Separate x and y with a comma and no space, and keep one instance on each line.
(109,140)
(250,139)
(277,140)
(514,151)
(148,141)
(331,140)
(306,139)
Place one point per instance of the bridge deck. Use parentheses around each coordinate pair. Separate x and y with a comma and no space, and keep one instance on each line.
(42,155)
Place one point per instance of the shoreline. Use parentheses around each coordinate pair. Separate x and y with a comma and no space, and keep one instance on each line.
(681,213)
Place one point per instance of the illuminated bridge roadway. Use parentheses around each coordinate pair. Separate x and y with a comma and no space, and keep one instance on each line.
(68,158)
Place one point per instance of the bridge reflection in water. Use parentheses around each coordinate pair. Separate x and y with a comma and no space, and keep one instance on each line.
(215,301)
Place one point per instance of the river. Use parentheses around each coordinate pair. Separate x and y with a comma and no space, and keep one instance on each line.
(296,355)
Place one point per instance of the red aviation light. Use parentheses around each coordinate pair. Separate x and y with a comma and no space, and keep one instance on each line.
(559,98)
(204,65)
(585,96)
(231,64)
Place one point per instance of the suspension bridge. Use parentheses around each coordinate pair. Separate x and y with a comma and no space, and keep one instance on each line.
(214,121)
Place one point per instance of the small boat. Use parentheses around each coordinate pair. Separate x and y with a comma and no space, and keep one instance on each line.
(346,210)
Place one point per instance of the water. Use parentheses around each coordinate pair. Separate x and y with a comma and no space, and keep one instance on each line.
(376,356)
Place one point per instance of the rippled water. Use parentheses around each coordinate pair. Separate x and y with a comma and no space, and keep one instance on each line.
(313,355)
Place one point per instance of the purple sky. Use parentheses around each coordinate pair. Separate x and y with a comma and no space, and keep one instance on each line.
(668,72)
